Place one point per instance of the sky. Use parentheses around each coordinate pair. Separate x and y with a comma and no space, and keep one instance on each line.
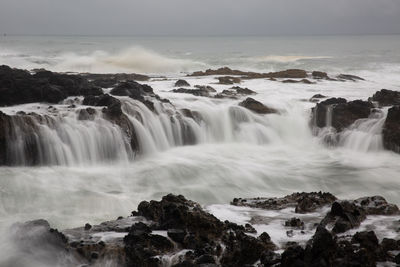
(199,17)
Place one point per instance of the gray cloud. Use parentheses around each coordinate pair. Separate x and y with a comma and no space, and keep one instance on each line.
(190,17)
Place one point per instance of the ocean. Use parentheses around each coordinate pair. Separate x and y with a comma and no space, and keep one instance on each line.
(245,156)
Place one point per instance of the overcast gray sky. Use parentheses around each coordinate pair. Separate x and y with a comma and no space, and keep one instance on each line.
(199,17)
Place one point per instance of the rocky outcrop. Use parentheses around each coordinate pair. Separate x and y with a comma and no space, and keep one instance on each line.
(305,81)
(256,106)
(243,91)
(181,83)
(178,232)
(386,97)
(228,80)
(19,86)
(319,75)
(195,92)
(111,80)
(290,73)
(349,77)
(302,202)
(391,130)
(339,113)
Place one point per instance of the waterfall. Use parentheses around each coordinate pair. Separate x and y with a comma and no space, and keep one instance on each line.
(365,134)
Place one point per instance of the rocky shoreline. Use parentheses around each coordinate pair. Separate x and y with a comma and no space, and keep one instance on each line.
(99,95)
(179,232)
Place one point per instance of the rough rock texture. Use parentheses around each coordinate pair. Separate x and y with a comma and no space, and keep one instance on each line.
(243,91)
(305,81)
(111,80)
(302,202)
(256,106)
(386,97)
(391,130)
(179,232)
(343,113)
(228,80)
(290,73)
(319,75)
(19,86)
(196,92)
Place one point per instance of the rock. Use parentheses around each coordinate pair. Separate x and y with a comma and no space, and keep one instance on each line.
(181,83)
(228,80)
(112,79)
(391,130)
(132,89)
(298,81)
(319,75)
(178,235)
(343,113)
(86,114)
(290,73)
(195,92)
(256,106)
(344,215)
(243,91)
(318,96)
(302,202)
(386,97)
(295,223)
(377,205)
(349,77)
(206,88)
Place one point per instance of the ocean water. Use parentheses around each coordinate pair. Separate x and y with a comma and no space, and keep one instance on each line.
(237,153)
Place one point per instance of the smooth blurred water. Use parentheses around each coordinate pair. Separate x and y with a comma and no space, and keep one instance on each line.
(239,155)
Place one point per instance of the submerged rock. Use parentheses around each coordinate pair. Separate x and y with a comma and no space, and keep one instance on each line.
(305,81)
(196,92)
(349,77)
(256,106)
(319,75)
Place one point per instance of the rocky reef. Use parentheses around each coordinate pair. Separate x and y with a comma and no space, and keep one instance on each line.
(176,231)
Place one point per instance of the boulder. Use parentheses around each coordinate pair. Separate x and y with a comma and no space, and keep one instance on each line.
(391,130)
(196,92)
(243,91)
(228,80)
(349,77)
(386,97)
(319,75)
(256,106)
(343,113)
(181,83)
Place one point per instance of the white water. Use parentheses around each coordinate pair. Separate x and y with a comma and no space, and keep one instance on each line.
(89,174)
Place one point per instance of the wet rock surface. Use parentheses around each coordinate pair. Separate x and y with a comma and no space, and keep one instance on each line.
(181,83)
(178,232)
(20,86)
(391,130)
(256,106)
(386,97)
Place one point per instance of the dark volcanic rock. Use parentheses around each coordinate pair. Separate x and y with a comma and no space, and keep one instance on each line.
(243,91)
(319,75)
(288,74)
(344,215)
(302,202)
(298,81)
(386,97)
(295,223)
(343,113)
(19,86)
(195,92)
(391,130)
(228,80)
(86,114)
(181,83)
(349,77)
(256,106)
(132,89)
(206,88)
(111,80)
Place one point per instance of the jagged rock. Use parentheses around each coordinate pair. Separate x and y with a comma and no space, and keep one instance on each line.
(112,79)
(228,80)
(295,223)
(207,88)
(391,130)
(243,91)
(319,75)
(377,205)
(290,73)
(343,113)
(386,97)
(132,89)
(349,77)
(195,92)
(344,215)
(256,106)
(302,202)
(181,83)
(318,96)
